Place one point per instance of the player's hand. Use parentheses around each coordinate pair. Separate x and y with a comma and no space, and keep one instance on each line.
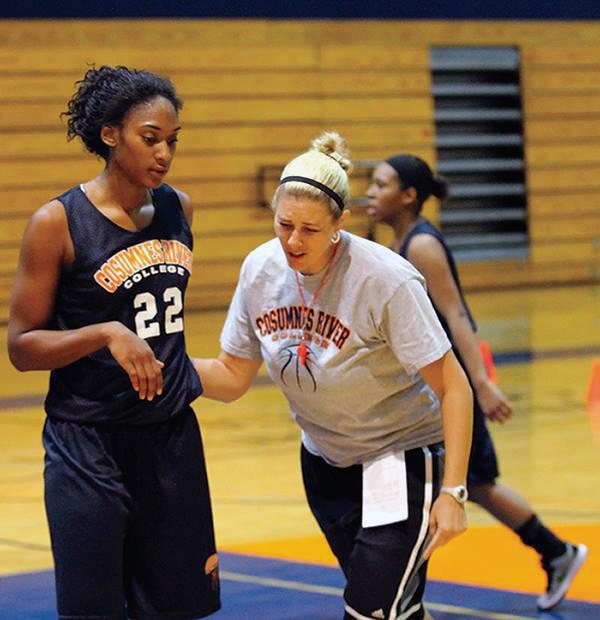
(137,359)
(494,404)
(447,520)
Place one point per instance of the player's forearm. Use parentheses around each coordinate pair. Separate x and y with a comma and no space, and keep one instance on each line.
(467,345)
(45,349)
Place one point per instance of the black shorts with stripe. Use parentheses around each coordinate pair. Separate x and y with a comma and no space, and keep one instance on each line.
(130,520)
(383,565)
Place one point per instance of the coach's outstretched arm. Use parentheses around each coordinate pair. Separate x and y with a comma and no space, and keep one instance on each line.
(227,377)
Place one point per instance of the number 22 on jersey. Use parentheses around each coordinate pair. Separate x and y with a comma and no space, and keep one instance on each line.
(145,303)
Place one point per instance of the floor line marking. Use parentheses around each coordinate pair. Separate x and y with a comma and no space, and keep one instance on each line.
(10,542)
(281,583)
(332,591)
(473,613)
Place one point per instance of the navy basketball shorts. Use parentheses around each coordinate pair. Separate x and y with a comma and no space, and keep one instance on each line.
(483,464)
(130,520)
(383,565)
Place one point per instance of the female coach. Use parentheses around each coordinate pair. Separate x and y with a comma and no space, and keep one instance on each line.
(348,333)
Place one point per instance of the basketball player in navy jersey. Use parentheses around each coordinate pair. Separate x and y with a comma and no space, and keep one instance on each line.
(99,300)
(400,185)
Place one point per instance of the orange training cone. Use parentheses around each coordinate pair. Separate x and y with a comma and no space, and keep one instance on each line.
(593,392)
(594,413)
(488,360)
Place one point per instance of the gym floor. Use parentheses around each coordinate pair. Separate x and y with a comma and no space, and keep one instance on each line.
(275,563)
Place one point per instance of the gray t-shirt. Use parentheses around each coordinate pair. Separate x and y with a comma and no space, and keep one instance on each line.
(369,332)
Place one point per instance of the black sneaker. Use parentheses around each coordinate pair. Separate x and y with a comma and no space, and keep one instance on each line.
(561,571)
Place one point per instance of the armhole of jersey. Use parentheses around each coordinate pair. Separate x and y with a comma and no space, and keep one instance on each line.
(409,241)
(411,235)
(170,195)
(69,233)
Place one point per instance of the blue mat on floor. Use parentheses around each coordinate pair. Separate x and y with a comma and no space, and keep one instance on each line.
(264,589)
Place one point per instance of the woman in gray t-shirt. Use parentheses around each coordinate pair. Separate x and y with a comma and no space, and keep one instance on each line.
(348,333)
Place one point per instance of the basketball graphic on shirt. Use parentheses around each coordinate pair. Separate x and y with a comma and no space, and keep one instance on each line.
(296,369)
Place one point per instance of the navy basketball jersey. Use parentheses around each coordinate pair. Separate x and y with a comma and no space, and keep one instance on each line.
(426,227)
(139,279)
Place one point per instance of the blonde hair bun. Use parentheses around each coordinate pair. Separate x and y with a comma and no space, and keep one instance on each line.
(327,163)
(330,143)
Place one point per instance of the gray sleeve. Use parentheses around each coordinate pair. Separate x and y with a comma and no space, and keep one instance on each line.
(238,337)
(411,328)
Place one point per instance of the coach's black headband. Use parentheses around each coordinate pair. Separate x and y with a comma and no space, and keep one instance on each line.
(333,195)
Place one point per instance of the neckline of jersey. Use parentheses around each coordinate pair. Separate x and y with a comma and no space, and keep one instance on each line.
(137,231)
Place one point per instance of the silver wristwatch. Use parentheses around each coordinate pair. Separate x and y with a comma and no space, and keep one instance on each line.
(459,493)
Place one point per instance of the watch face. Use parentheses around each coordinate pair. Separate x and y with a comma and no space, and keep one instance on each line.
(459,493)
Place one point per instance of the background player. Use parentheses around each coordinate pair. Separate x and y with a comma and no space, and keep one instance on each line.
(399,187)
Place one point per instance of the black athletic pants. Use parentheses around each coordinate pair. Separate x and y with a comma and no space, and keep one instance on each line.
(383,567)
